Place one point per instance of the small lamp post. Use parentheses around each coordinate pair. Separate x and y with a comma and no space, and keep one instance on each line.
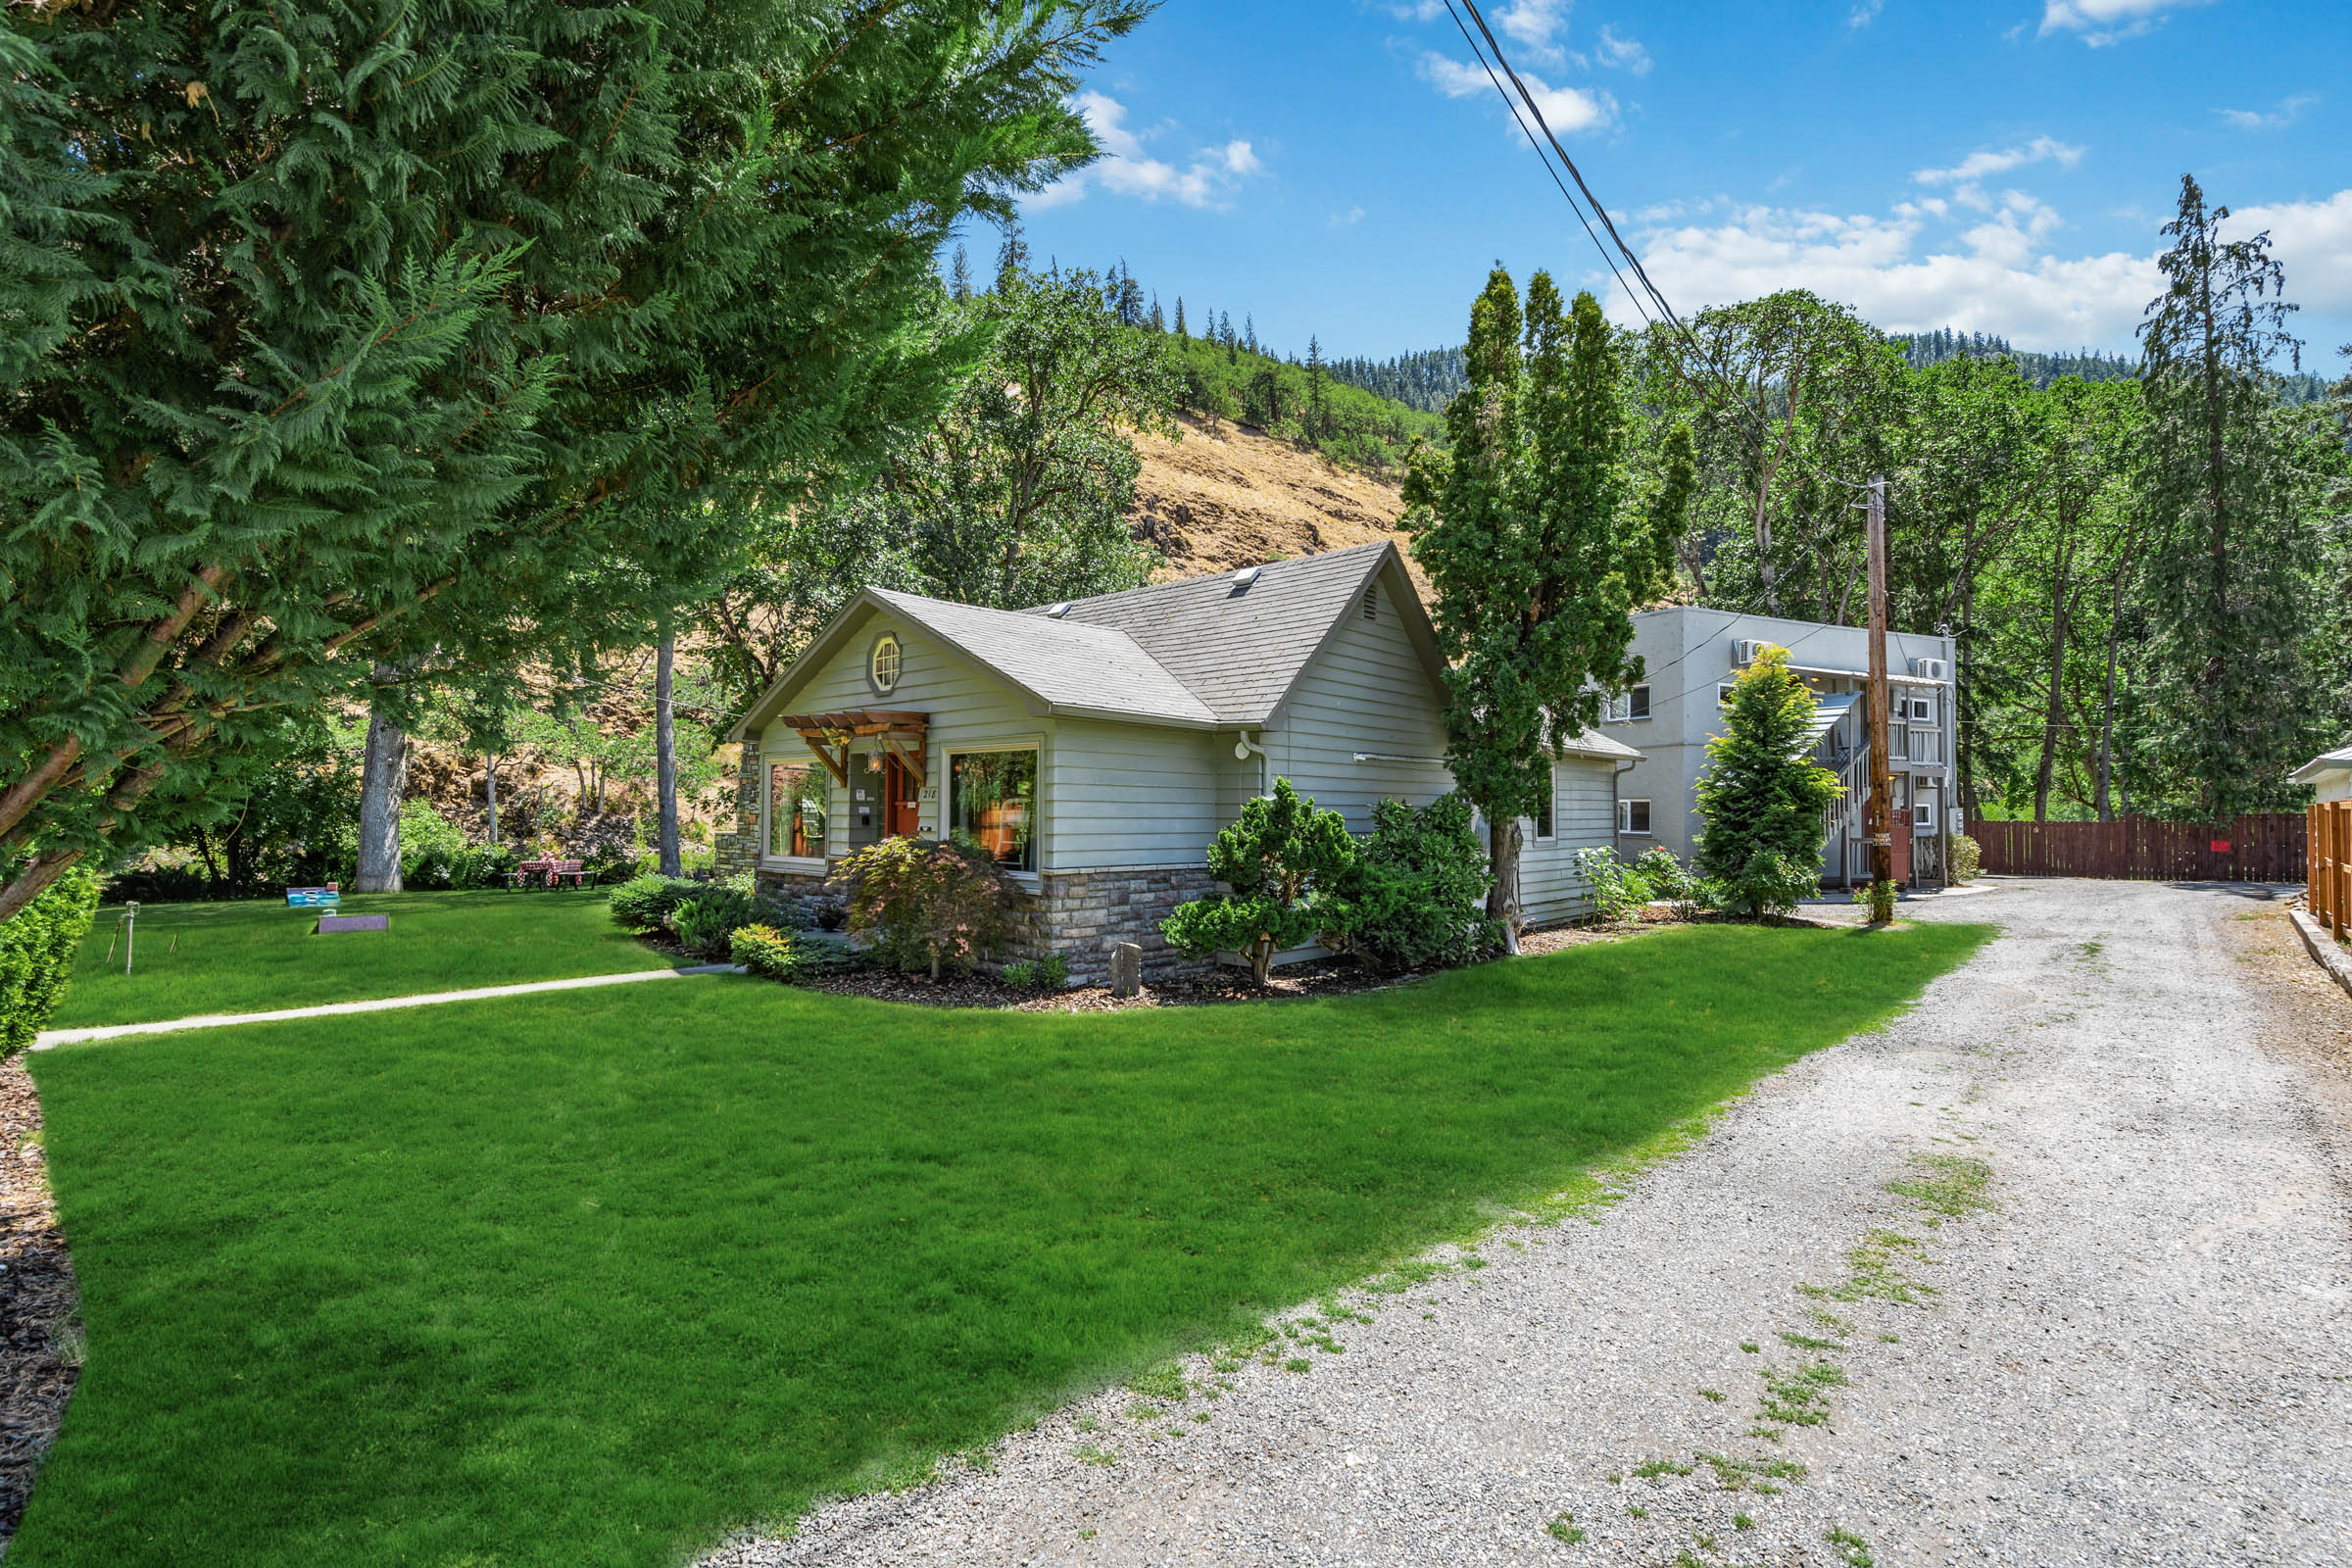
(130,930)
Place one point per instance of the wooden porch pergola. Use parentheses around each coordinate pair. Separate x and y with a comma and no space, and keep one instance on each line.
(830,736)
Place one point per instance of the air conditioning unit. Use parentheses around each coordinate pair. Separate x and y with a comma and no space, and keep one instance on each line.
(1747,651)
(1930,668)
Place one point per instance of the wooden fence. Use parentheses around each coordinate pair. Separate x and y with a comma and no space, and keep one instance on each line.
(2251,848)
(2329,875)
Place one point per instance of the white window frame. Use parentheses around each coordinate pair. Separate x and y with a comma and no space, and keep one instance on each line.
(1621,706)
(898,662)
(1922,816)
(1625,818)
(1920,709)
(1723,692)
(769,762)
(943,830)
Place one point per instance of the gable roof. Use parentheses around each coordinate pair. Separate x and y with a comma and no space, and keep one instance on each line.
(1079,671)
(1208,653)
(2324,763)
(1240,646)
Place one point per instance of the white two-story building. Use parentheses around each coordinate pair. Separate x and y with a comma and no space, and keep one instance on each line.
(1691,657)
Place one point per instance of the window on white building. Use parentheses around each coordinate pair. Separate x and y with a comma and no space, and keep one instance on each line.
(1633,816)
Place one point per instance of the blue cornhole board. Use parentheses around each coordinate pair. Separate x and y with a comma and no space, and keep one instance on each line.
(331,924)
(312,899)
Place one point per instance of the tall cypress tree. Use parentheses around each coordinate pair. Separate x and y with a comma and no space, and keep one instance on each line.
(1180,331)
(2226,712)
(1539,548)
(960,278)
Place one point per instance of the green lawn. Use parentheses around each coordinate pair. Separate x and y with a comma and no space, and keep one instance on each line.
(587,1279)
(251,958)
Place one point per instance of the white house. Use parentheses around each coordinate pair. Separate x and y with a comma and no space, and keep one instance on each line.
(2330,775)
(1690,656)
(1097,747)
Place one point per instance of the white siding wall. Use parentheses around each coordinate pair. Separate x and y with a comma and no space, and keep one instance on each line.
(1583,817)
(1368,692)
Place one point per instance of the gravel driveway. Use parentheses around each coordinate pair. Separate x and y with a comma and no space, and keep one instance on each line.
(2103,1321)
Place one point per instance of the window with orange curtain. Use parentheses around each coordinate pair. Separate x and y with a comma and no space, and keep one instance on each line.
(991,800)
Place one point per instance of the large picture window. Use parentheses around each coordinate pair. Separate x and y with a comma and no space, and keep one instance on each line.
(992,799)
(795,811)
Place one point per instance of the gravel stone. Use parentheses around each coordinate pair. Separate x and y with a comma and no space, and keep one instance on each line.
(2136,1353)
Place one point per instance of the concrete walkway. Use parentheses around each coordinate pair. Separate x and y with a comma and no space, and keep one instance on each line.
(216,1020)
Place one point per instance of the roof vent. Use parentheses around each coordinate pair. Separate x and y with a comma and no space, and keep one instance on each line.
(1059,609)
(1246,576)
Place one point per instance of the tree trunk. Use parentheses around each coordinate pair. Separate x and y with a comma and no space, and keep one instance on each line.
(665,758)
(1262,958)
(1503,898)
(2115,626)
(490,792)
(2053,713)
(383,777)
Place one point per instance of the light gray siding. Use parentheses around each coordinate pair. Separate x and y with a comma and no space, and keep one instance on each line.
(1367,692)
(967,706)
(1550,887)
(1129,795)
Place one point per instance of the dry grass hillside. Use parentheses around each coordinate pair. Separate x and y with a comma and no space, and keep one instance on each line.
(1214,501)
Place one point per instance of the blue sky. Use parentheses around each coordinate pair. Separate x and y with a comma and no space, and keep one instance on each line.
(1333,168)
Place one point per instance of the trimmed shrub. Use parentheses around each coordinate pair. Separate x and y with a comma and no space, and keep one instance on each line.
(1968,857)
(765,950)
(1283,860)
(644,903)
(1416,896)
(1048,973)
(924,905)
(704,922)
(37,950)
(1763,796)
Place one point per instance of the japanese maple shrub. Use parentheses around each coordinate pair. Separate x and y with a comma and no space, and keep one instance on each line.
(1762,794)
(924,905)
(1282,863)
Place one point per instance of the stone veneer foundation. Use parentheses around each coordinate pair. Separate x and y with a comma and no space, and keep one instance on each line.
(1078,915)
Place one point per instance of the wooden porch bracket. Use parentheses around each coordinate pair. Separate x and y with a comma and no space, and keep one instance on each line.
(829,735)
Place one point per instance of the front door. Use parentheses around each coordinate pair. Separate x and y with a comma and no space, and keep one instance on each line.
(902,799)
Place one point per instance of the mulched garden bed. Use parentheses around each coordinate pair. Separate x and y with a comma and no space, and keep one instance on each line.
(40,1348)
(1322,977)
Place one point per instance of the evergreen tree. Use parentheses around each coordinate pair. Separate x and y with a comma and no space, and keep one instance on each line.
(1539,549)
(2232,539)
(1160,322)
(321,359)
(1317,411)
(960,278)
(1250,333)
(1180,331)
(1013,254)
(1763,798)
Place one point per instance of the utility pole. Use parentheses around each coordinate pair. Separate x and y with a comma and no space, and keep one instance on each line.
(1879,819)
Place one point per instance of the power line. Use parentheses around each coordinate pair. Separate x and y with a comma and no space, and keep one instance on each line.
(1657,297)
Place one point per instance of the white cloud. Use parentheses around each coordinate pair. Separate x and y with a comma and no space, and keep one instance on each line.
(2313,242)
(1565,109)
(1536,26)
(1626,53)
(1354,214)
(2104,21)
(2289,110)
(1976,166)
(1864,14)
(1125,168)
(1998,277)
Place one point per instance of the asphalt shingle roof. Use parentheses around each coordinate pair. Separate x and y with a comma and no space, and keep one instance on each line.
(1071,664)
(1237,647)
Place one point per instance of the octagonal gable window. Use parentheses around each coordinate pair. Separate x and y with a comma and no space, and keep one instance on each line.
(884,663)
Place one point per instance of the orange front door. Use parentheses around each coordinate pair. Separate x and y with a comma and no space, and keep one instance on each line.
(902,799)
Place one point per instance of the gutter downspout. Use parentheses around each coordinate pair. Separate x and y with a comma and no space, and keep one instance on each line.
(1615,773)
(1243,745)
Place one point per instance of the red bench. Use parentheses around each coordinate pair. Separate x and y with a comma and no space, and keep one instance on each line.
(547,874)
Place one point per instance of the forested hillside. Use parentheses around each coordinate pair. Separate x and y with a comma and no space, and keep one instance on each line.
(1925,349)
